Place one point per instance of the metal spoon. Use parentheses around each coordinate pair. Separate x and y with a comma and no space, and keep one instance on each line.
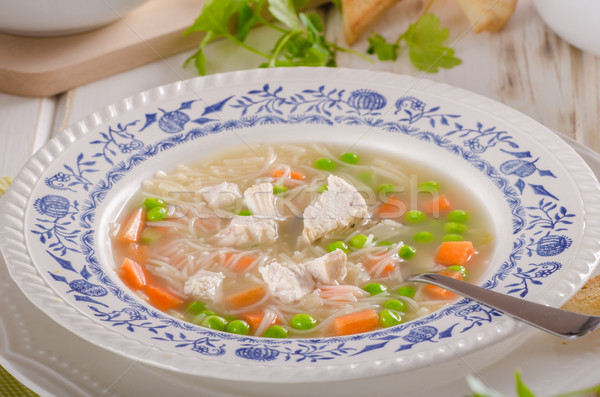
(558,322)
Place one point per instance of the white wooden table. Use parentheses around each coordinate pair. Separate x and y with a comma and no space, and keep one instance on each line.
(525,66)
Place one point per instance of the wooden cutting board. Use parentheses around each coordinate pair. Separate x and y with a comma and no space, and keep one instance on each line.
(44,66)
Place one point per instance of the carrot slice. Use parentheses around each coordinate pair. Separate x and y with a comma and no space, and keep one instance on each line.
(133,274)
(255,317)
(131,229)
(437,205)
(241,264)
(439,293)
(391,209)
(247,297)
(376,268)
(454,253)
(162,298)
(293,174)
(355,323)
(136,252)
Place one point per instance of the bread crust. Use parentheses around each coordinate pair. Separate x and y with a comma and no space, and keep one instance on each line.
(587,299)
(487,15)
(358,15)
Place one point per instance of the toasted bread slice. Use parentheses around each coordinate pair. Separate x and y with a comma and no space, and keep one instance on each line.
(358,15)
(488,15)
(587,300)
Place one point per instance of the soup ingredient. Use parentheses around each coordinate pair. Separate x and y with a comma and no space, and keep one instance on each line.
(293,174)
(133,274)
(303,321)
(381,265)
(204,284)
(157,214)
(246,297)
(453,237)
(276,331)
(350,158)
(222,195)
(429,186)
(393,208)
(407,290)
(161,298)
(454,253)
(131,230)
(236,261)
(279,189)
(389,318)
(406,252)
(414,216)
(288,283)
(256,317)
(461,269)
(336,209)
(195,307)
(355,323)
(395,304)
(423,237)
(329,268)
(386,188)
(460,216)
(324,164)
(260,200)
(246,230)
(375,288)
(152,202)
(358,241)
(455,227)
(215,322)
(435,292)
(437,205)
(238,327)
(338,245)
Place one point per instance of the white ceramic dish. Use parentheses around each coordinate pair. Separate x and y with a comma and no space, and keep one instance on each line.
(533,182)
(576,21)
(60,17)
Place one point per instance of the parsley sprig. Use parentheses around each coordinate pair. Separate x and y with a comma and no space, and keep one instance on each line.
(424,39)
(302,41)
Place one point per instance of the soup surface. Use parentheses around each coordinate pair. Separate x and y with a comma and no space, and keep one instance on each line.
(298,240)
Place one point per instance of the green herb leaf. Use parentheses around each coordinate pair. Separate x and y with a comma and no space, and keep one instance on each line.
(285,12)
(215,16)
(424,39)
(522,390)
(384,50)
(246,20)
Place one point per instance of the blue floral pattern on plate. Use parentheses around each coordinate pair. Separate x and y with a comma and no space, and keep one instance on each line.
(67,205)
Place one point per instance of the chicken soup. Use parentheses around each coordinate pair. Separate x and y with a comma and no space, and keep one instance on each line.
(298,240)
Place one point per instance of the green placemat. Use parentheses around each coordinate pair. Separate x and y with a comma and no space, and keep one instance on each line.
(9,386)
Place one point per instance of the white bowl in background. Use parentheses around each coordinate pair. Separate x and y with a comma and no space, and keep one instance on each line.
(576,21)
(60,17)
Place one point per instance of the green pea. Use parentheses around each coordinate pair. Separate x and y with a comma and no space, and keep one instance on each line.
(208,313)
(303,321)
(375,288)
(414,216)
(195,307)
(423,237)
(453,237)
(276,331)
(389,318)
(358,241)
(239,327)
(199,319)
(429,186)
(384,243)
(406,252)
(157,214)
(396,305)
(322,188)
(457,268)
(153,202)
(455,227)
(279,189)
(215,322)
(150,236)
(245,212)
(458,216)
(350,158)
(386,188)
(338,245)
(407,290)
(365,177)
(324,164)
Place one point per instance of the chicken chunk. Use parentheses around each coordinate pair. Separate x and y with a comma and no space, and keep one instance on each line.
(222,195)
(204,285)
(328,268)
(288,283)
(247,230)
(337,208)
(357,274)
(261,200)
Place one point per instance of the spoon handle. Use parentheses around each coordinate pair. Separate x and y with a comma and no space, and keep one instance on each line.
(558,322)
